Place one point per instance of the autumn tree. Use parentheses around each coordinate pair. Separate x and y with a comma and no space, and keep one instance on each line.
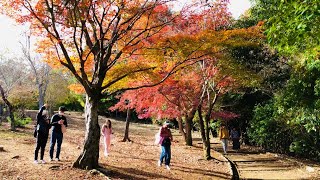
(197,87)
(99,42)
(40,71)
(200,36)
(11,75)
(176,98)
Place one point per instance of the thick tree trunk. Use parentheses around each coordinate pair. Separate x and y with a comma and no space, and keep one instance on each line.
(126,132)
(89,157)
(188,127)
(188,131)
(181,128)
(204,136)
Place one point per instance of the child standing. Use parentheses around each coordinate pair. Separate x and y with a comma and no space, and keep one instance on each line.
(106,132)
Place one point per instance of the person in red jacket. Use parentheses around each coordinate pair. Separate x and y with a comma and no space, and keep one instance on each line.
(165,142)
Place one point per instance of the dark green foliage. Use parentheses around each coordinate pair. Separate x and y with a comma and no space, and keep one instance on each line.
(291,26)
(73,102)
(268,132)
(273,73)
(291,122)
(106,103)
(271,68)
(20,121)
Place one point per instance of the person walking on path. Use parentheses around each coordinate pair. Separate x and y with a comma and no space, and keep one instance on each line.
(165,142)
(42,130)
(57,121)
(235,137)
(224,136)
(106,132)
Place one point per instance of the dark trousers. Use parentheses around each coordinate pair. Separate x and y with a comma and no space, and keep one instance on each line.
(235,143)
(56,137)
(165,154)
(41,145)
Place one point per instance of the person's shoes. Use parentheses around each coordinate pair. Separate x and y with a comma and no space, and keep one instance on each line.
(167,167)
(43,161)
(159,163)
(57,159)
(35,161)
(51,159)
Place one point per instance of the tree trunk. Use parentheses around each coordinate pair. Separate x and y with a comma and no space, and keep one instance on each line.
(41,95)
(204,136)
(207,134)
(12,124)
(89,157)
(10,108)
(189,131)
(181,129)
(126,132)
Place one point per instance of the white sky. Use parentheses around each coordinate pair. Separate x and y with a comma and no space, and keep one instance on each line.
(11,34)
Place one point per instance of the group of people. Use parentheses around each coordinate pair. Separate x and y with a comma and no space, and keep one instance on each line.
(57,123)
(224,136)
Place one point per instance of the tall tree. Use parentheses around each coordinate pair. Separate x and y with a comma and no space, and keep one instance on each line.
(40,70)
(291,26)
(11,74)
(196,86)
(100,43)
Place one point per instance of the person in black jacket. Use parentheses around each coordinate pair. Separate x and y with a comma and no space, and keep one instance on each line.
(57,120)
(42,131)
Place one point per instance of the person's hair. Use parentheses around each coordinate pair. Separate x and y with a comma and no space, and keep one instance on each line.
(62,109)
(109,124)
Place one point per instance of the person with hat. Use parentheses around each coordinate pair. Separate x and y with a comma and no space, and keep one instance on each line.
(165,142)
(57,121)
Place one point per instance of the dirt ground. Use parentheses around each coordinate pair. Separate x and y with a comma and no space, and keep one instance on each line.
(127,160)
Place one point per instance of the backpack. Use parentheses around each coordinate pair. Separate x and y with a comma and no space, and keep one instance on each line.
(166,141)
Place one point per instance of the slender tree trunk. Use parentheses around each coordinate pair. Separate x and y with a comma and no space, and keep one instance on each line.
(89,157)
(41,95)
(12,124)
(204,136)
(126,132)
(181,129)
(207,134)
(10,109)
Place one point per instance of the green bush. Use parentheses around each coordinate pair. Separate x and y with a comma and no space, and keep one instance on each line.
(290,123)
(20,121)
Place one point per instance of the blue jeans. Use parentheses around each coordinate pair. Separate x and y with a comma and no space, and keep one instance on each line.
(166,154)
(224,145)
(55,137)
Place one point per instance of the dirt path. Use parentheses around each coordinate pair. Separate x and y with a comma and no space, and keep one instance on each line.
(253,163)
(136,160)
